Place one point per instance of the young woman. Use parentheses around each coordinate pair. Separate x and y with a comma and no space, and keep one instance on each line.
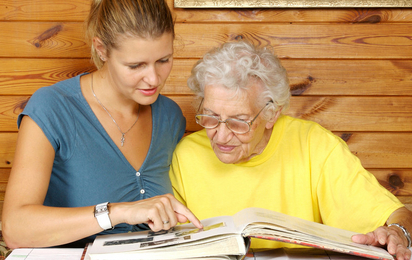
(93,152)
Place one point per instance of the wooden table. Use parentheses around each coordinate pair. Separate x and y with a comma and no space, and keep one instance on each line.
(275,254)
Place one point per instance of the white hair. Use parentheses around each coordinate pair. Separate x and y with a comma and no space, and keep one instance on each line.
(237,64)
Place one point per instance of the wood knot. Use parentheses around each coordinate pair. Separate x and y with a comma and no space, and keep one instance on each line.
(396,182)
(299,88)
(372,19)
(369,19)
(346,136)
(20,106)
(238,37)
(39,40)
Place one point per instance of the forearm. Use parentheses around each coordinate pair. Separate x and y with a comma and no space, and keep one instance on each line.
(403,217)
(41,226)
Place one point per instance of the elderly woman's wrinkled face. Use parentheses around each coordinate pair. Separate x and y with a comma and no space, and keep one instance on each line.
(230,147)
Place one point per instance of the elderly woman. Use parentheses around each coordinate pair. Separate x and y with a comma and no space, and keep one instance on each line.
(251,155)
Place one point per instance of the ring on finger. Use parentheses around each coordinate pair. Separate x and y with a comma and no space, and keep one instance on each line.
(165,222)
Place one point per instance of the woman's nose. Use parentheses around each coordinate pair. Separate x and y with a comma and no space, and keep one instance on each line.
(151,77)
(223,133)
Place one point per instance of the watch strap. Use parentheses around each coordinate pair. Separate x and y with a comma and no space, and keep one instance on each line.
(405,232)
(101,213)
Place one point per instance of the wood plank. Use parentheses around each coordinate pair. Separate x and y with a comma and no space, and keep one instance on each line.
(10,108)
(370,148)
(334,113)
(349,77)
(25,76)
(77,10)
(4,176)
(44,10)
(307,77)
(355,113)
(309,41)
(397,181)
(375,150)
(7,149)
(43,39)
(407,201)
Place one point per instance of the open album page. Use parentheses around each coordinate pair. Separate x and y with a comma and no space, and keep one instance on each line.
(181,234)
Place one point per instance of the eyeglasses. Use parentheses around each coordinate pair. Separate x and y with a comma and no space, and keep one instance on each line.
(237,126)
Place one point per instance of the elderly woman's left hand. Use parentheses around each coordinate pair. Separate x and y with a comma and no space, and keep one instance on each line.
(393,237)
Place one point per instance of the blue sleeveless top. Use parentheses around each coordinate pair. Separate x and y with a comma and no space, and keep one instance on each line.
(88,167)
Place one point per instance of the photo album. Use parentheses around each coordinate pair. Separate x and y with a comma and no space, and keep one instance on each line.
(228,237)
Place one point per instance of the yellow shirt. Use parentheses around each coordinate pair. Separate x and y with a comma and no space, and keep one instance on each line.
(305,171)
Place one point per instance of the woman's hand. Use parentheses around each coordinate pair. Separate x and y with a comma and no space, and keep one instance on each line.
(160,213)
(391,237)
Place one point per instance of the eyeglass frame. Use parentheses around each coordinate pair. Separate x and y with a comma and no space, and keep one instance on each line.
(249,123)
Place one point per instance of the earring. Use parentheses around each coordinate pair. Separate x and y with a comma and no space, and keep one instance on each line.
(101,57)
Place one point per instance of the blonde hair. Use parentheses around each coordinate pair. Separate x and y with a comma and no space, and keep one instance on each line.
(109,19)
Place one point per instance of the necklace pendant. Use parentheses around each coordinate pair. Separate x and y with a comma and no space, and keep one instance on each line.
(107,111)
(122,140)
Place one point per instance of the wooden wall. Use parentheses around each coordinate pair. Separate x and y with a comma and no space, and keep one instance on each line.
(350,69)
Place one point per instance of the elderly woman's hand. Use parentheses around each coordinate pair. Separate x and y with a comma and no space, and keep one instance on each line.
(391,237)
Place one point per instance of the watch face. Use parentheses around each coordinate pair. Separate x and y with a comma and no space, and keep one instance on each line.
(101,210)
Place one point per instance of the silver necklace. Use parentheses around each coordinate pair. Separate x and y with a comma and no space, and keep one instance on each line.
(114,121)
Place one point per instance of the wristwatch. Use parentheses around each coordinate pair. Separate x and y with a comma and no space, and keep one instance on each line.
(405,232)
(101,213)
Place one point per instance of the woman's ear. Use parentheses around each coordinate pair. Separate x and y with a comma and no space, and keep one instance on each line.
(271,122)
(100,48)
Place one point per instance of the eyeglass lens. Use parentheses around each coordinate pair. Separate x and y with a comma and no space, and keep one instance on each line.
(233,124)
